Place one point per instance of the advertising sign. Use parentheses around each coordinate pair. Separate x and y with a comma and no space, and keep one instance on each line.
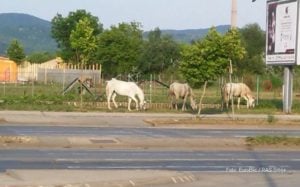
(282,32)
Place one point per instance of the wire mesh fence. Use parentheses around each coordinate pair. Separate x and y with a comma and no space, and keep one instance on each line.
(86,87)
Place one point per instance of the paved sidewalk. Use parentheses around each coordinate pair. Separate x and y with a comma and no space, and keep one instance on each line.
(113,118)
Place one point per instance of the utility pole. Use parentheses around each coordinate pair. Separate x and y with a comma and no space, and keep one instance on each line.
(233,14)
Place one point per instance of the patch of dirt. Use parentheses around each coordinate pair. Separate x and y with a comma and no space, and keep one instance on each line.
(17,140)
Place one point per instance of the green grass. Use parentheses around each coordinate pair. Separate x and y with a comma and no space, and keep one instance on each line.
(49,97)
(273,140)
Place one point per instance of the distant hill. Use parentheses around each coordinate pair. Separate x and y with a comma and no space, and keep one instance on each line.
(189,35)
(34,33)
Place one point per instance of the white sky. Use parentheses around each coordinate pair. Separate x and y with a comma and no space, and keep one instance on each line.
(165,14)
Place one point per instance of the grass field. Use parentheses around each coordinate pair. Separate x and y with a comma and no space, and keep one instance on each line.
(49,97)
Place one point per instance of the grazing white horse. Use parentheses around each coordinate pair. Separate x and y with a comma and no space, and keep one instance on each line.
(178,90)
(238,90)
(129,89)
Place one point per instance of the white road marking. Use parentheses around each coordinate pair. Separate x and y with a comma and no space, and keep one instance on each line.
(131,182)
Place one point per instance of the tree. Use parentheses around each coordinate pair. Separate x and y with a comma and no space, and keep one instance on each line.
(63,27)
(159,52)
(119,49)
(15,52)
(207,59)
(83,41)
(253,38)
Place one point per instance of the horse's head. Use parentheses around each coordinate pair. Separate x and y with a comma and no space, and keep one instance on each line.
(251,100)
(143,105)
(193,104)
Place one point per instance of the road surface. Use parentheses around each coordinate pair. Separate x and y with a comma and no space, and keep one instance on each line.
(141,131)
(221,161)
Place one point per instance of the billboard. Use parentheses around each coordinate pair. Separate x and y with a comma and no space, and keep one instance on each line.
(282,32)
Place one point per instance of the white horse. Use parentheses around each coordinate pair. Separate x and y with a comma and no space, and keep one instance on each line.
(238,90)
(129,89)
(178,90)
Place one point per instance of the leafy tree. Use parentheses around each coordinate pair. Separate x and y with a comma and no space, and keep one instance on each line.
(63,27)
(83,41)
(159,52)
(253,38)
(119,49)
(40,57)
(207,59)
(15,52)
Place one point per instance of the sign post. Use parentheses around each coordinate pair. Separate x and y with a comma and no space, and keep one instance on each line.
(282,43)
(287,89)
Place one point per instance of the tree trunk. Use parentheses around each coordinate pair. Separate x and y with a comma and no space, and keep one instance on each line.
(202,96)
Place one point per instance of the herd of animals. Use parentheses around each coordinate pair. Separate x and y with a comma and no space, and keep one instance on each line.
(177,90)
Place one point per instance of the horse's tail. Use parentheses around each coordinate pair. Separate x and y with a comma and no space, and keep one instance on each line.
(225,91)
(171,90)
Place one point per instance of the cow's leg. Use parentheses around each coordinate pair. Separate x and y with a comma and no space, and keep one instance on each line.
(113,99)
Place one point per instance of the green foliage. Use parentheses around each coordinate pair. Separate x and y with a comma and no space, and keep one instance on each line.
(253,38)
(277,82)
(40,57)
(15,52)
(188,36)
(159,52)
(207,59)
(83,41)
(119,49)
(62,28)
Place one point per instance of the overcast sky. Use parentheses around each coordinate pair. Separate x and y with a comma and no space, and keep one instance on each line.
(165,14)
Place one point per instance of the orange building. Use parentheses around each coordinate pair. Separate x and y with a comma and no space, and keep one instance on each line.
(8,70)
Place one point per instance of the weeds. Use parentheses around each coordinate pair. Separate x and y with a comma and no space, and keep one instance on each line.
(273,140)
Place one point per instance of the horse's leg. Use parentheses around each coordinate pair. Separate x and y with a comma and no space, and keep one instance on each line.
(238,104)
(136,103)
(129,103)
(108,100)
(183,103)
(113,98)
(176,99)
(247,100)
(226,100)
(172,102)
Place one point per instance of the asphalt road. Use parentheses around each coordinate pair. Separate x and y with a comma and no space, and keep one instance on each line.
(229,163)
(217,161)
(140,131)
